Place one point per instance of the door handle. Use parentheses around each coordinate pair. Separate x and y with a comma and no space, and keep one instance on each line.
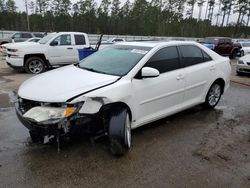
(69,48)
(212,67)
(180,77)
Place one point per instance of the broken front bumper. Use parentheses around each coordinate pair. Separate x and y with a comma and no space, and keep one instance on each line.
(76,125)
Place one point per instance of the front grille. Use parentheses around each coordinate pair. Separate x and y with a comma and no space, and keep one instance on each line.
(25,105)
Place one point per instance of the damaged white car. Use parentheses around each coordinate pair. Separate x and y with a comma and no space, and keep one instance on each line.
(120,88)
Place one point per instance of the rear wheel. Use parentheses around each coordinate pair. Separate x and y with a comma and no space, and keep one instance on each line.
(119,131)
(34,65)
(213,95)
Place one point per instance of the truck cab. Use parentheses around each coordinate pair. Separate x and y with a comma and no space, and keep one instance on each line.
(55,49)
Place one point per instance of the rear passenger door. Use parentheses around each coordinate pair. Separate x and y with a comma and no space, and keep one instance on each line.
(162,95)
(198,68)
(80,43)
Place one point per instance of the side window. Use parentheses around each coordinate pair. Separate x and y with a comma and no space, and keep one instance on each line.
(26,35)
(63,40)
(191,55)
(206,57)
(221,41)
(228,41)
(17,35)
(166,59)
(80,40)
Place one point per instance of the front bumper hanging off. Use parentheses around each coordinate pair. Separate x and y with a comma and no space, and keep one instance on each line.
(76,125)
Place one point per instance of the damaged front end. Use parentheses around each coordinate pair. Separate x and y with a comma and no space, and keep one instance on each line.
(53,120)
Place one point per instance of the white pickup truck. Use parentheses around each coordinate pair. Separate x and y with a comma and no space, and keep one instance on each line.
(55,49)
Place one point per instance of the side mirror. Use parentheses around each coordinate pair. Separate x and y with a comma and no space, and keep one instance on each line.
(13,37)
(54,43)
(148,72)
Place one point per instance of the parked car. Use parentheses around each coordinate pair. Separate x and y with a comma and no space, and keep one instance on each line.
(20,37)
(3,47)
(244,48)
(122,87)
(56,49)
(115,40)
(243,65)
(222,45)
(35,39)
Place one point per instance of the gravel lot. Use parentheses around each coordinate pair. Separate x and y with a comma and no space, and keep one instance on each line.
(195,148)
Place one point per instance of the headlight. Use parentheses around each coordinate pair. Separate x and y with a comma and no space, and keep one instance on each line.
(40,113)
(241,62)
(13,50)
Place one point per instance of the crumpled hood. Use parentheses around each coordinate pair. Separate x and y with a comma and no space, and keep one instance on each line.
(61,84)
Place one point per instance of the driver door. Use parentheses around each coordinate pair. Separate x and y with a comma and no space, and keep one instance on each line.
(162,95)
(61,50)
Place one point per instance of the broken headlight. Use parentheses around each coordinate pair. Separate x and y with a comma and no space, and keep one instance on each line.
(44,113)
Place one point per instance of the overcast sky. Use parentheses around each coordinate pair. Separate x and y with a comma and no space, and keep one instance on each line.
(233,18)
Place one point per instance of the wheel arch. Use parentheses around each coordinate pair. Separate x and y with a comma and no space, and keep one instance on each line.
(4,42)
(108,107)
(222,83)
(40,55)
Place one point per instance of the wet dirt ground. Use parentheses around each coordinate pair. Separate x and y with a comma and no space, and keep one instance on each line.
(195,148)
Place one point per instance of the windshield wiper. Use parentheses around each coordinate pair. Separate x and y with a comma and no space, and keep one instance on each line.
(93,70)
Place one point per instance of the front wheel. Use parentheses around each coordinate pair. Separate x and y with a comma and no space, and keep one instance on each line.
(119,131)
(34,65)
(213,95)
(242,53)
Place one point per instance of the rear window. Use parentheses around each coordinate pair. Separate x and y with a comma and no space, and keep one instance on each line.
(191,55)
(80,40)
(26,35)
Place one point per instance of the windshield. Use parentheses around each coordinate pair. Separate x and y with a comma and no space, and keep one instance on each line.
(116,60)
(209,40)
(247,44)
(45,39)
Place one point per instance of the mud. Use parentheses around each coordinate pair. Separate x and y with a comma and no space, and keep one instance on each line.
(194,148)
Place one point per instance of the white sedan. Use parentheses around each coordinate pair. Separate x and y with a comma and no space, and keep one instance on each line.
(243,65)
(122,87)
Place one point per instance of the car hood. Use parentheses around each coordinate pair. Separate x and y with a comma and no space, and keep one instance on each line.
(246,49)
(24,45)
(61,84)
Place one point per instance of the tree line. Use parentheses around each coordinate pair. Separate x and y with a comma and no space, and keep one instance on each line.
(138,17)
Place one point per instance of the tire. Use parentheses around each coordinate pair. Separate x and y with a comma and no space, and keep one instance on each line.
(242,53)
(213,95)
(35,137)
(233,55)
(34,65)
(119,131)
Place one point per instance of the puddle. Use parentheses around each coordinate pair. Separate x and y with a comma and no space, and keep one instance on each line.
(4,101)
(7,99)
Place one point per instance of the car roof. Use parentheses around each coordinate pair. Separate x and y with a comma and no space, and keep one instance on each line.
(153,44)
(65,32)
(219,37)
